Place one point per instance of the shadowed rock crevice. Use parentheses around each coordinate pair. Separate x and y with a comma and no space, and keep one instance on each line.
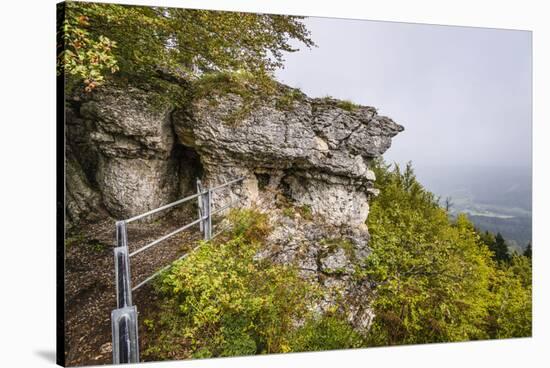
(190,168)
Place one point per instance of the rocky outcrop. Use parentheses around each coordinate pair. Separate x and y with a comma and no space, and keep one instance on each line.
(139,153)
(315,151)
(326,254)
(307,165)
(136,165)
(82,200)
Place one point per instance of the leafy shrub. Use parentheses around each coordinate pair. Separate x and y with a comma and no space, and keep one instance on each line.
(222,301)
(289,212)
(329,332)
(241,83)
(305,212)
(249,225)
(346,105)
(286,100)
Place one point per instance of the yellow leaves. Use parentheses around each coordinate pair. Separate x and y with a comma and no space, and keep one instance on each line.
(85,57)
(285,347)
(83,20)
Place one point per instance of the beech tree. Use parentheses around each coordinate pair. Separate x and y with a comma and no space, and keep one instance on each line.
(138,42)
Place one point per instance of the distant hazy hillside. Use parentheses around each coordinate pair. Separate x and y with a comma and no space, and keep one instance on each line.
(516,229)
(496,199)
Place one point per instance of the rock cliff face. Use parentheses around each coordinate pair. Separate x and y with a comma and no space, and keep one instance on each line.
(135,167)
(307,165)
(316,152)
(137,154)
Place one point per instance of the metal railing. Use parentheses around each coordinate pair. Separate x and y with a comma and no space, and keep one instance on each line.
(124,321)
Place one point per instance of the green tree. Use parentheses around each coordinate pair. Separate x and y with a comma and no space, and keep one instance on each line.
(435,278)
(487,238)
(432,275)
(143,43)
(528,252)
(510,309)
(500,249)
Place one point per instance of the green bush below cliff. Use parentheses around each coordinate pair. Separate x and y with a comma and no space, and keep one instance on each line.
(222,301)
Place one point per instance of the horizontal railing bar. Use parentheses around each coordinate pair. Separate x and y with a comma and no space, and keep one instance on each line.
(216,234)
(180,229)
(224,207)
(164,237)
(161,270)
(151,277)
(226,184)
(164,207)
(220,231)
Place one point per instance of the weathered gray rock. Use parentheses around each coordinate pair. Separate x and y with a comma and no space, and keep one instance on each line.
(317,151)
(128,143)
(129,123)
(133,186)
(136,167)
(82,199)
(326,254)
(338,203)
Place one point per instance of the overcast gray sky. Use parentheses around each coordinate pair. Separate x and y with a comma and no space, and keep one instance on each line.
(462,94)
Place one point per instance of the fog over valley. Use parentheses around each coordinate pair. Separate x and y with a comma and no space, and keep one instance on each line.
(463,95)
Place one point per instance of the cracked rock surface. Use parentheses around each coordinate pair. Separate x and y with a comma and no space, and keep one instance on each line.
(138,153)
(315,151)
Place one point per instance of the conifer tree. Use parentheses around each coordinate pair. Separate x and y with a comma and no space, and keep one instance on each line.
(501,249)
(528,252)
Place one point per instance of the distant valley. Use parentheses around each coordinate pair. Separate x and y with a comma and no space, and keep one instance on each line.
(496,199)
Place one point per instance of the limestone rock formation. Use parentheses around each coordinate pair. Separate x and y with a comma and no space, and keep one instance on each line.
(315,151)
(81,198)
(135,165)
(139,153)
(307,165)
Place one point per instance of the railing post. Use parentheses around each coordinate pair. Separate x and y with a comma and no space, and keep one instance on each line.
(124,318)
(209,210)
(199,200)
(125,335)
(206,207)
(122,267)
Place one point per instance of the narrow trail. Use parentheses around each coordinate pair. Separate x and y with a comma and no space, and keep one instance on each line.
(89,279)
